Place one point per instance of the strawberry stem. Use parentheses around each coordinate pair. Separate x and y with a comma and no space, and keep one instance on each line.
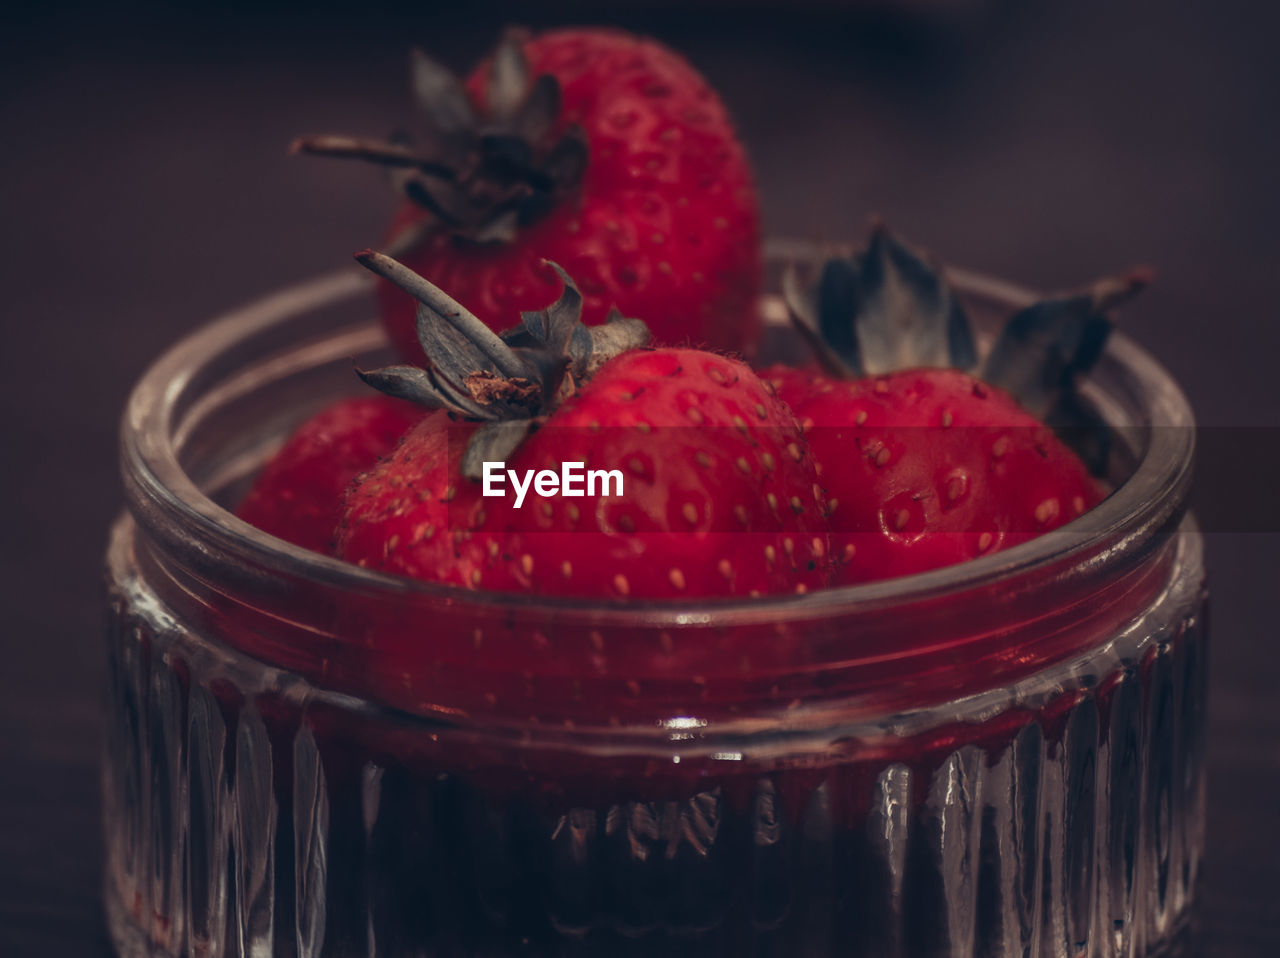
(1112,291)
(447,308)
(360,148)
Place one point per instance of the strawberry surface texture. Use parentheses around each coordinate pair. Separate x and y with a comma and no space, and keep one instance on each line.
(298,495)
(929,467)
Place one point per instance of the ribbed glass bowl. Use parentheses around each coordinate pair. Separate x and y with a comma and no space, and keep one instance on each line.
(1001,758)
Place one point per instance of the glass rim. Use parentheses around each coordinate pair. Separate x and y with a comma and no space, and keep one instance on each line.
(1149,500)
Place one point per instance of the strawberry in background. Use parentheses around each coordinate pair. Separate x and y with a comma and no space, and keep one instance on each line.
(602,151)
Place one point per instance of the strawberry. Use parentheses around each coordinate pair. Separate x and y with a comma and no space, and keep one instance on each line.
(936,467)
(719,496)
(603,151)
(930,456)
(298,495)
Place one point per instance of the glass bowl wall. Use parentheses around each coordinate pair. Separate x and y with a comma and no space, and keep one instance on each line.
(306,758)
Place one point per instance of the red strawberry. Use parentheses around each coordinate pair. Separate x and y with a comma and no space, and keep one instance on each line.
(719,498)
(927,465)
(792,383)
(298,496)
(603,151)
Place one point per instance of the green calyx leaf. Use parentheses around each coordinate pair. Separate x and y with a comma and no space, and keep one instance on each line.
(482,175)
(890,307)
(473,373)
(1043,349)
(885,308)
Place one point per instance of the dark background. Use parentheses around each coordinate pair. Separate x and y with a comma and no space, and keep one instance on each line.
(144,188)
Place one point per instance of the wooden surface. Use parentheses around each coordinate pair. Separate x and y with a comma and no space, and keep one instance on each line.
(144,188)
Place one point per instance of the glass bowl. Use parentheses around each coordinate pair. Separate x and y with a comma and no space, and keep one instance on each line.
(305,758)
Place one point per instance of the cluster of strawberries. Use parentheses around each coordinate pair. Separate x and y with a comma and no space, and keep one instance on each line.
(602,166)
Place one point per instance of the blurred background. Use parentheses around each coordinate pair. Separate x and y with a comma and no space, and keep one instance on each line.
(145,187)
